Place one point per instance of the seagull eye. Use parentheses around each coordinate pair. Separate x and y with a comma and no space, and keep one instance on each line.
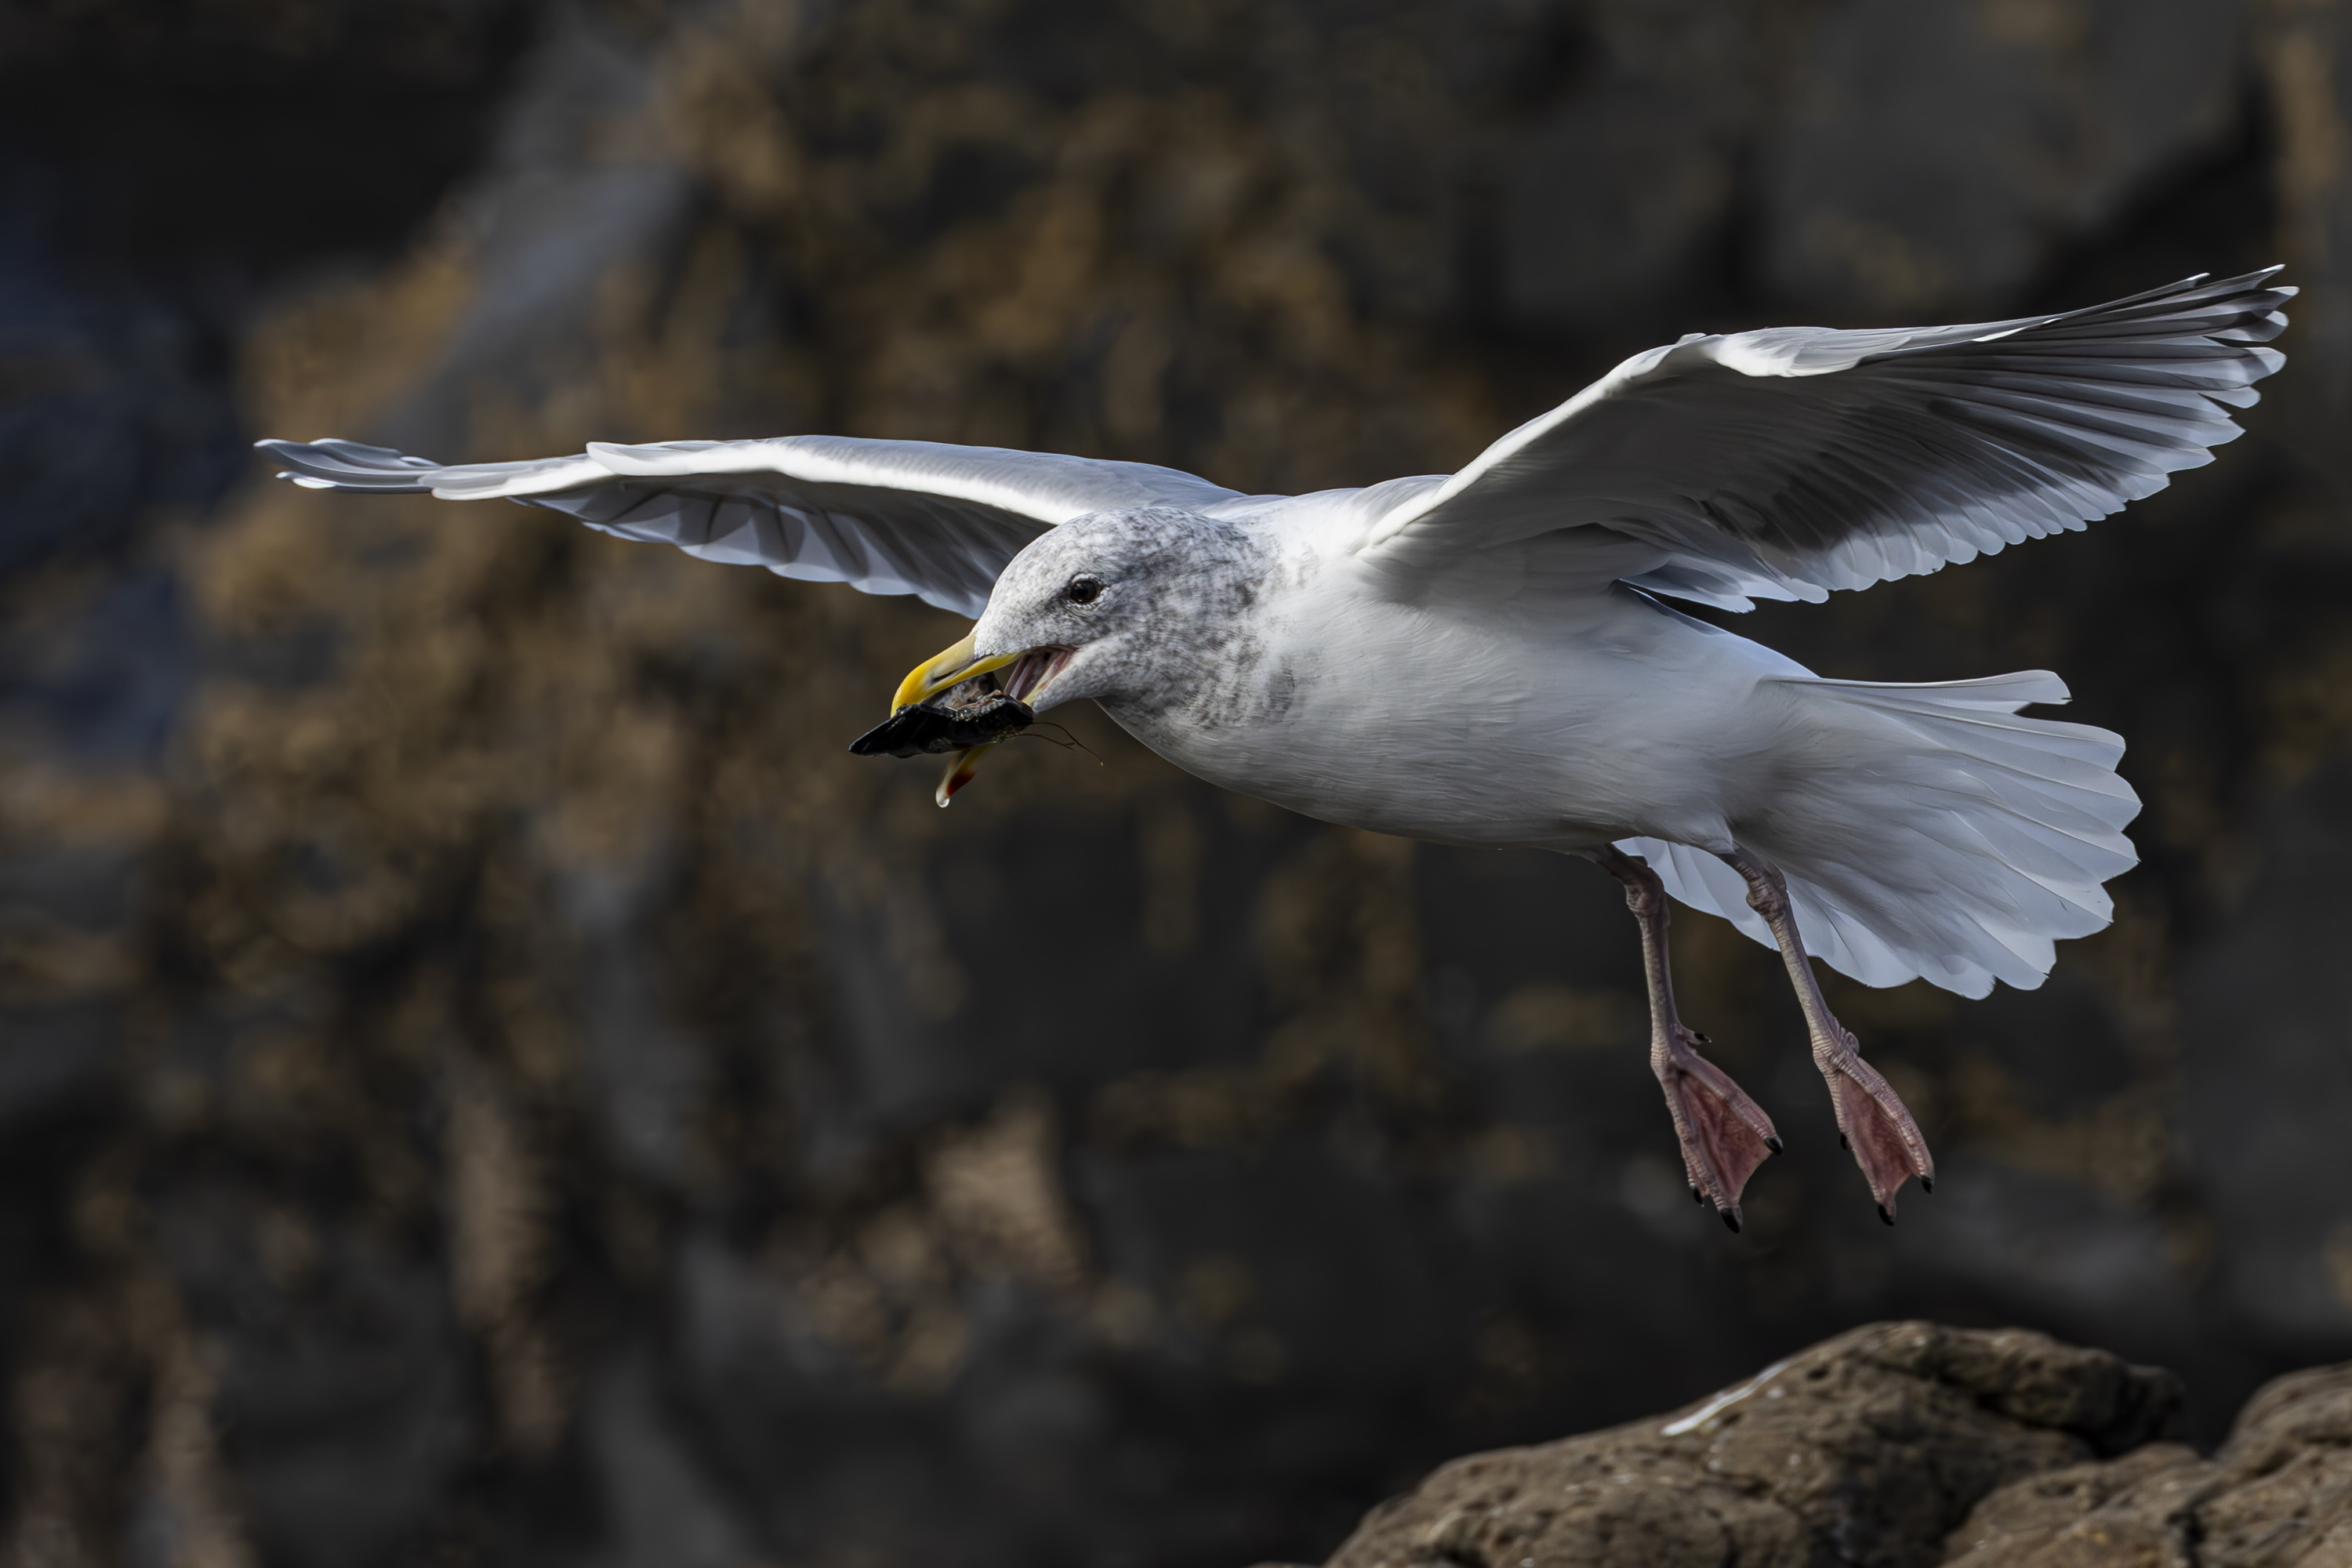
(1083,589)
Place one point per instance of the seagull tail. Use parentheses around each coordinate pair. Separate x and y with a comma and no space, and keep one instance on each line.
(1929,832)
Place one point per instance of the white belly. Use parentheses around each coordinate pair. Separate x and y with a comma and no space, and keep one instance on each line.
(1607,719)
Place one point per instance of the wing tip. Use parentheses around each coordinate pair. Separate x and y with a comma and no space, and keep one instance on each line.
(333,463)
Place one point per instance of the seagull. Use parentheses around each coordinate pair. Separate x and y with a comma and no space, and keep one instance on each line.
(1489,658)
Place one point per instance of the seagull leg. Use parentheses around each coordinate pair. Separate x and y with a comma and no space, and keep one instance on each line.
(1871,1117)
(1725,1135)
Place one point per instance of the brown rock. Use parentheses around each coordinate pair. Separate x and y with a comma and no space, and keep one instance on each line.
(2278,1495)
(1867,1449)
(2126,1510)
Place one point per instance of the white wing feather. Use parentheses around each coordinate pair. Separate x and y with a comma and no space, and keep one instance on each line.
(887,517)
(1786,463)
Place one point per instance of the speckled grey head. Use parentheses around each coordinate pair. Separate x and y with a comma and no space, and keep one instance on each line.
(1143,600)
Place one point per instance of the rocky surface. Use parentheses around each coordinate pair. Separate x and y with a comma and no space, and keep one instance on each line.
(1900,1445)
(2277,1495)
(485,1078)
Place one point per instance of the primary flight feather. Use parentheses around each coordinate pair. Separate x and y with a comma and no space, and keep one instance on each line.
(1483,658)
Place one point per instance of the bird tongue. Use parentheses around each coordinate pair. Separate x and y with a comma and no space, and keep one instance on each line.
(1033,670)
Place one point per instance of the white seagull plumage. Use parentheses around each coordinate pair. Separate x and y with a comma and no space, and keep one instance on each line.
(1483,657)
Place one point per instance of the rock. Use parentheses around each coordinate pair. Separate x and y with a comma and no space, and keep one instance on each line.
(1871,1447)
(2278,1495)
(1868,1448)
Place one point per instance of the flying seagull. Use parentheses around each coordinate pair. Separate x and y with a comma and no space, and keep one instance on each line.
(1487,658)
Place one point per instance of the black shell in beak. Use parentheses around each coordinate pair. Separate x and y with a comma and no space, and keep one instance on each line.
(920,730)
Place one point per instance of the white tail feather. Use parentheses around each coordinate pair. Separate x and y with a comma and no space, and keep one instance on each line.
(1930,832)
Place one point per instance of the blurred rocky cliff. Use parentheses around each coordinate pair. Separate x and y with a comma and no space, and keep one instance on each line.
(486,1078)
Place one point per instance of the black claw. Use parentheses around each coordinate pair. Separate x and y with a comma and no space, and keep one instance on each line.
(1927,1184)
(1698,1196)
(1731,1218)
(1887,1214)
(1702,1039)
(1845,1143)
(1772,1141)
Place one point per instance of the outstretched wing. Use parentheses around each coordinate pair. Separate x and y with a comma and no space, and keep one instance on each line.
(1785,463)
(886,517)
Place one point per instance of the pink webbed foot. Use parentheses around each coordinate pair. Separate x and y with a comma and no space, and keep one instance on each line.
(1725,1135)
(1872,1118)
(1873,1123)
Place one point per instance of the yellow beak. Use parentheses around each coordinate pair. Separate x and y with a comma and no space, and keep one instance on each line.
(949,666)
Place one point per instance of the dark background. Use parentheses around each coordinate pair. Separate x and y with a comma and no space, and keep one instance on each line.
(484,1078)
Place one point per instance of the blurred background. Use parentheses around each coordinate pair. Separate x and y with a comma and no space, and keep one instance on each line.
(485,1078)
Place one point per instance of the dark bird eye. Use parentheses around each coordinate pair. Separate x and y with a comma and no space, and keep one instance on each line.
(1083,589)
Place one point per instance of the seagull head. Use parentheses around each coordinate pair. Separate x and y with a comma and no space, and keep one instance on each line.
(1106,605)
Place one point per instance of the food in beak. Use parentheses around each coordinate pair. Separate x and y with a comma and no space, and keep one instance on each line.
(974,713)
(924,731)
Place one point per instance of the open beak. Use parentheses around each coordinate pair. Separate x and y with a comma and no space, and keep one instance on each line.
(951,668)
